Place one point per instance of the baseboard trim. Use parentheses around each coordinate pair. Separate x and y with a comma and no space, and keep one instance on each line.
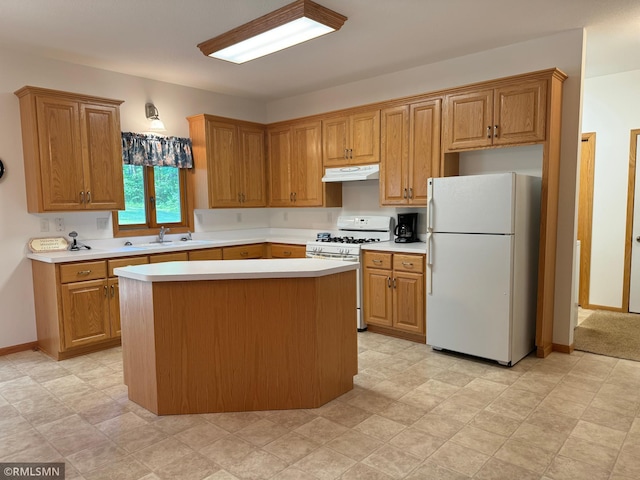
(23,347)
(414,337)
(543,352)
(604,307)
(557,347)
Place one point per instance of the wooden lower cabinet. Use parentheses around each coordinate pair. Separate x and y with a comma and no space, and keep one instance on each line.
(206,254)
(393,294)
(243,252)
(284,250)
(77,305)
(169,257)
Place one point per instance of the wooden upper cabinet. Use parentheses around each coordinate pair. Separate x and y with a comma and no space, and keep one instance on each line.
(229,157)
(72,151)
(508,115)
(410,152)
(351,139)
(295,168)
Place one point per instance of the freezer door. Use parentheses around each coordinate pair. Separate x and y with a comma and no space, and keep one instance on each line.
(472,203)
(469,307)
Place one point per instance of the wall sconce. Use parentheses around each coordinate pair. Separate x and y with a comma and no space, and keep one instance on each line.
(152,114)
(283,28)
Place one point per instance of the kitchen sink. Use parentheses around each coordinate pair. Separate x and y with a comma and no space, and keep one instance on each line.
(171,243)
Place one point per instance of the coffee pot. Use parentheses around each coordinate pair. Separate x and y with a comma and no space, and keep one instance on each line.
(406,228)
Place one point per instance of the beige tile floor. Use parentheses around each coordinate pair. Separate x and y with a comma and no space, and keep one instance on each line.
(414,414)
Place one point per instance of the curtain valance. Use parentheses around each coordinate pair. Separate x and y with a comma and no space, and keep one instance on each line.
(156,151)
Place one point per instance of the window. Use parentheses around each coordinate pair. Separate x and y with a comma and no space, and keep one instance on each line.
(155,190)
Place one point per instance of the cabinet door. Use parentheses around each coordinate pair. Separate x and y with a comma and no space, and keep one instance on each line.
(279,156)
(469,120)
(224,174)
(206,254)
(520,112)
(60,154)
(114,307)
(365,138)
(243,252)
(306,165)
(408,302)
(252,185)
(335,137)
(169,257)
(424,149)
(85,307)
(102,157)
(394,158)
(377,297)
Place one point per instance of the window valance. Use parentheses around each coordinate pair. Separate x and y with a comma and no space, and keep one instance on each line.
(156,151)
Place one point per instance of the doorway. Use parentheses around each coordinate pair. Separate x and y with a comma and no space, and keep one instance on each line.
(631,288)
(585,215)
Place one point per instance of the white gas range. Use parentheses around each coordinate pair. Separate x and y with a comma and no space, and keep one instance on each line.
(353,231)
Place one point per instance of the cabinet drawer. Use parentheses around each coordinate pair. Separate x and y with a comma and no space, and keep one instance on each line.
(408,263)
(79,272)
(206,254)
(169,257)
(125,262)
(377,260)
(279,250)
(243,252)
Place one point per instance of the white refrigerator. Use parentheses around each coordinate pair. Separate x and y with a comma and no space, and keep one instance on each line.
(482,263)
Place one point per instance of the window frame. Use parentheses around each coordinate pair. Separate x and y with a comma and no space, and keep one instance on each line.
(152,228)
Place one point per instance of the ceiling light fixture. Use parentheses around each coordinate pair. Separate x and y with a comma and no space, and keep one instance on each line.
(152,114)
(290,25)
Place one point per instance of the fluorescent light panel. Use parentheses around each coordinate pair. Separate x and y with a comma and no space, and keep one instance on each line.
(290,25)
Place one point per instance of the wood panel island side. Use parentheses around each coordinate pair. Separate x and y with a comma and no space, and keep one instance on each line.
(238,335)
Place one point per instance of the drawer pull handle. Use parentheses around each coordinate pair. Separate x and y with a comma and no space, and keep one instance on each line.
(105,291)
(113,291)
(394,283)
(389,282)
(407,264)
(286,253)
(244,254)
(488,131)
(84,272)
(377,262)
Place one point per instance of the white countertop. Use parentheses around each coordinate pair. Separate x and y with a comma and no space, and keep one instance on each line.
(234,269)
(415,247)
(111,248)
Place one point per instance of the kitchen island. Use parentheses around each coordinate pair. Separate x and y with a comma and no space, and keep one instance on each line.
(238,335)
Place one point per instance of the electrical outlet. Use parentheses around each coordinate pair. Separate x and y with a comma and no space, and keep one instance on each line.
(44,224)
(59,224)
(102,223)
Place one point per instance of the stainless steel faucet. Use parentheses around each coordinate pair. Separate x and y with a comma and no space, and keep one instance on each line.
(162,232)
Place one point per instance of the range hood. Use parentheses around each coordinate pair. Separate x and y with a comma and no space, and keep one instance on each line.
(351,174)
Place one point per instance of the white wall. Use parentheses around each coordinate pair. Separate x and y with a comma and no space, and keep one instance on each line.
(611,109)
(564,51)
(175,103)
(17,324)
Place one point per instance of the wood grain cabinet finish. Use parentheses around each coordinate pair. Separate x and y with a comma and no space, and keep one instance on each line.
(351,139)
(206,254)
(229,157)
(281,250)
(169,257)
(243,252)
(72,151)
(410,152)
(393,294)
(295,167)
(77,305)
(506,115)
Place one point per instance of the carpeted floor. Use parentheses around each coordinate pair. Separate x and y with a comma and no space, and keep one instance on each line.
(609,333)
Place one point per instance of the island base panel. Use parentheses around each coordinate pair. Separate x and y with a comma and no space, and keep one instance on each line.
(239,345)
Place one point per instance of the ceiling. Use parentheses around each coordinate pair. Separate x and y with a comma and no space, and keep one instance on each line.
(157,38)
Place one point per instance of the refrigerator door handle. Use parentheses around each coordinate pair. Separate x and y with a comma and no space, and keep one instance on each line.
(429,264)
(429,204)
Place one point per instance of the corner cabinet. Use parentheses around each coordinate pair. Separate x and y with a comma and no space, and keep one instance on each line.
(229,157)
(351,139)
(410,152)
(294,154)
(72,151)
(393,294)
(510,114)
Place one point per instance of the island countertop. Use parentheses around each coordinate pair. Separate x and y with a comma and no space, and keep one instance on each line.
(234,269)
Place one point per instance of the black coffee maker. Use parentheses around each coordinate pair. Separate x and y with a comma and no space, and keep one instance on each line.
(407,228)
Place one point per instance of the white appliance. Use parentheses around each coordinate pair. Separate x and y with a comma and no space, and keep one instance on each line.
(352,232)
(482,261)
(352,174)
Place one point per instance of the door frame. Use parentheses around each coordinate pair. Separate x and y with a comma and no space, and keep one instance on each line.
(633,152)
(585,217)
